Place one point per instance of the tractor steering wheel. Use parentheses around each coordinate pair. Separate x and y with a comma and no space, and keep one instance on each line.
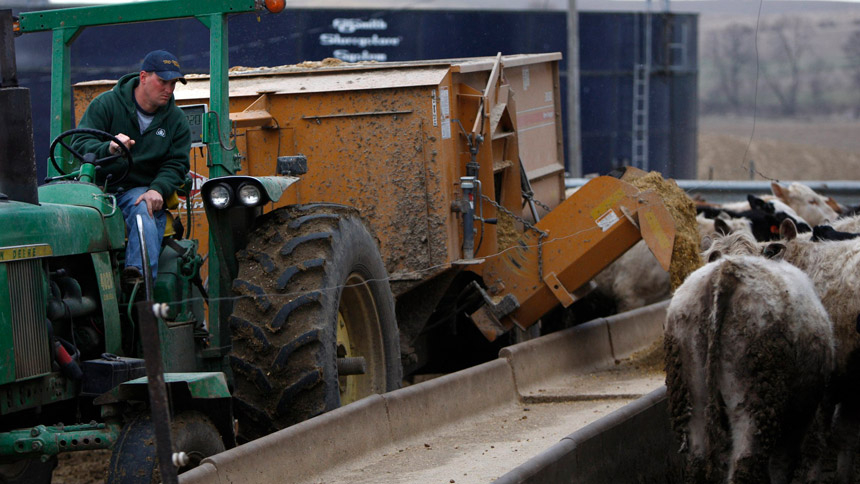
(89,157)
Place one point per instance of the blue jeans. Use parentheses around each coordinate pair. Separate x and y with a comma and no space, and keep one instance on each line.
(153,229)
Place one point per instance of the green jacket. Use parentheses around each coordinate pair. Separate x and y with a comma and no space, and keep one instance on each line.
(159,154)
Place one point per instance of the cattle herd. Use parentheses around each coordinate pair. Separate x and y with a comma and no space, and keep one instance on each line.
(762,343)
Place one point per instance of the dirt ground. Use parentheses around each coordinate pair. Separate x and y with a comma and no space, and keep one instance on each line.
(86,467)
(825,149)
(781,150)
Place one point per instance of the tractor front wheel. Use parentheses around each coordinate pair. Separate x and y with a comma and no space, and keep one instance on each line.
(29,471)
(134,459)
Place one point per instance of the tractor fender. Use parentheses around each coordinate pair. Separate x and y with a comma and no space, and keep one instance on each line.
(200,385)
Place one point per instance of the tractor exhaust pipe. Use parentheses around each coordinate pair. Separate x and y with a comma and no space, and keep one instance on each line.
(18,178)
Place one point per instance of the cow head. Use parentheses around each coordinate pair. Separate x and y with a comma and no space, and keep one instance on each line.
(812,207)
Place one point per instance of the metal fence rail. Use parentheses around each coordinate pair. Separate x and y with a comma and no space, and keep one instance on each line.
(721,191)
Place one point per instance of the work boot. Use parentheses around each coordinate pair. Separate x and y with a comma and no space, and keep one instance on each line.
(130,276)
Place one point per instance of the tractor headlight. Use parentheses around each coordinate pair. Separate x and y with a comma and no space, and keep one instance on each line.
(221,196)
(249,195)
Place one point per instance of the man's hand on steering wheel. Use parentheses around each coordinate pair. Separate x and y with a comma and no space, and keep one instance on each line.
(113,148)
(119,147)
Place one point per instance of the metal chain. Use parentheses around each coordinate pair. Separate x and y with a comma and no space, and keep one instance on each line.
(541,234)
(529,195)
(540,204)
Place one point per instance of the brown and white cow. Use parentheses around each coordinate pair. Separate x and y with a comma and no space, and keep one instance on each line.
(814,208)
(749,349)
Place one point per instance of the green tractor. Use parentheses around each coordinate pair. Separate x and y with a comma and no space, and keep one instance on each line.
(74,340)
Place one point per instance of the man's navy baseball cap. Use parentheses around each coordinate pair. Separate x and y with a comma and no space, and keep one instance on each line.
(164,64)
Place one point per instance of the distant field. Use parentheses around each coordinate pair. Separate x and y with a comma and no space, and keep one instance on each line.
(784,150)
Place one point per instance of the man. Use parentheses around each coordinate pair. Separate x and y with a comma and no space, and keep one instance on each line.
(140,111)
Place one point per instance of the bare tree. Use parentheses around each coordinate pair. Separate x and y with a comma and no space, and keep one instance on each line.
(823,79)
(732,54)
(851,48)
(788,44)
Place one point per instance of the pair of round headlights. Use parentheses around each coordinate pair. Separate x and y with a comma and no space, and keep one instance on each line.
(222,195)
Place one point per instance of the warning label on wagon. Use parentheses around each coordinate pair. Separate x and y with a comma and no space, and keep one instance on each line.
(607,220)
(444,112)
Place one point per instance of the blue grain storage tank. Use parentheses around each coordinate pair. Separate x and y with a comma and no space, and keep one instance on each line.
(613,65)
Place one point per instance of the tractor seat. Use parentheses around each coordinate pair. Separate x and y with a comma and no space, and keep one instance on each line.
(171,203)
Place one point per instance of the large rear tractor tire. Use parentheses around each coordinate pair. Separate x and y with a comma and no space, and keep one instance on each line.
(317,328)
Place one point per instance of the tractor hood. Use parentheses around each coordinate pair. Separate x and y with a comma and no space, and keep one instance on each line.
(52,229)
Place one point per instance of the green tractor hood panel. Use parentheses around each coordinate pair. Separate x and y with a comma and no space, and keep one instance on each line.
(74,230)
